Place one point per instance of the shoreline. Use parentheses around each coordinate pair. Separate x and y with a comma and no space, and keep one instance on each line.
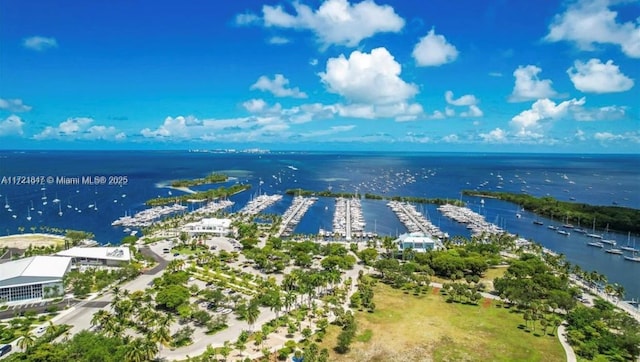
(22,241)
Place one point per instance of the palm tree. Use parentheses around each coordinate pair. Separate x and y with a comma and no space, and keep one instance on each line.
(141,350)
(27,341)
(116,294)
(161,335)
(252,313)
(618,290)
(277,305)
(289,299)
(52,329)
(100,317)
(166,320)
(225,350)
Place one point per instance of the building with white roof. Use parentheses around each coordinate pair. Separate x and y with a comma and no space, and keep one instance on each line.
(33,278)
(419,242)
(213,226)
(98,256)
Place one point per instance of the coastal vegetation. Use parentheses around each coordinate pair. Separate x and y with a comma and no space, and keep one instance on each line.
(603,333)
(413,199)
(209,179)
(208,195)
(324,193)
(618,218)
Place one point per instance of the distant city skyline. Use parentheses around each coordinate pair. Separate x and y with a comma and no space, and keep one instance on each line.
(384,75)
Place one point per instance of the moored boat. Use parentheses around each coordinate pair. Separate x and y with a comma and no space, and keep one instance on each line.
(614,251)
(633,257)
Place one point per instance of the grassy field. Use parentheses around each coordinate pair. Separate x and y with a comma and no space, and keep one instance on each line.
(405,327)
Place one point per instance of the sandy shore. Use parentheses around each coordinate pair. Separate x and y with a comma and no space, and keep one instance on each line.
(22,241)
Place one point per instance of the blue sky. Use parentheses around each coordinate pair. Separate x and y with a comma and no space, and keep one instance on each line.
(437,75)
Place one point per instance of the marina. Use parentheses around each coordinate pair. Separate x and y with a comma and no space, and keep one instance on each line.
(414,221)
(148,216)
(348,220)
(473,221)
(294,214)
(255,206)
(213,207)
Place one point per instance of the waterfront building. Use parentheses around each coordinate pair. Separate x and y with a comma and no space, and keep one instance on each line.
(418,242)
(98,256)
(213,226)
(33,278)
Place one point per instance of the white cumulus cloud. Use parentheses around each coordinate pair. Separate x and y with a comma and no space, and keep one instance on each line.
(178,127)
(11,126)
(607,113)
(278,86)
(372,78)
(590,22)
(14,105)
(528,86)
(529,122)
(80,128)
(39,43)
(335,22)
(468,100)
(452,138)
(433,50)
(473,111)
(497,135)
(597,77)
(465,100)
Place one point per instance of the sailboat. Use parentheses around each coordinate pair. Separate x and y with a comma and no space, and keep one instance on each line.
(6,203)
(593,232)
(608,241)
(32,208)
(28,214)
(633,257)
(628,247)
(567,224)
(59,210)
(578,229)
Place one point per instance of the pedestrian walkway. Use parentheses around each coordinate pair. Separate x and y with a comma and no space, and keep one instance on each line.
(562,336)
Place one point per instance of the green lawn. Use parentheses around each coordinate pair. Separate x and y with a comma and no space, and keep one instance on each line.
(406,327)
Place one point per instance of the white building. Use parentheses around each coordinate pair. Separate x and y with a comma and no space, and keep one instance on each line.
(98,256)
(33,278)
(418,242)
(218,227)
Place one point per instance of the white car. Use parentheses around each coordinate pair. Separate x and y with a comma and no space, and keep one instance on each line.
(41,329)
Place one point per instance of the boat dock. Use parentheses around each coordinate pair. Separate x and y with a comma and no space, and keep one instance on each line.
(474,221)
(414,221)
(348,220)
(294,213)
(213,207)
(148,216)
(260,203)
